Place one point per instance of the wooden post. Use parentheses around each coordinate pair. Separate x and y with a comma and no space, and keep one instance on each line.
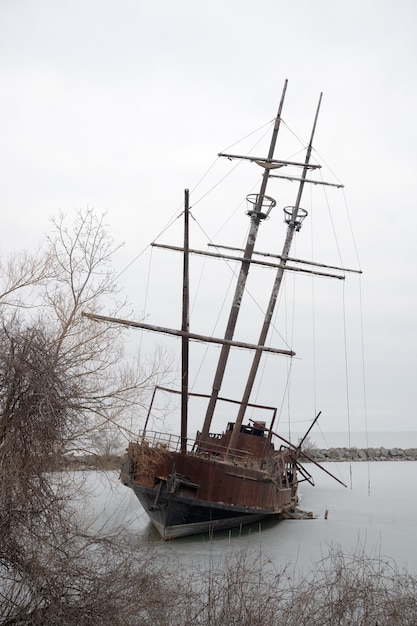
(185,327)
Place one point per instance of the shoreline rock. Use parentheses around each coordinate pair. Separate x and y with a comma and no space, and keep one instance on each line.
(361,454)
(320,455)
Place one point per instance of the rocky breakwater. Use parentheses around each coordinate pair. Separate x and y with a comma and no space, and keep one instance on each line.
(361,454)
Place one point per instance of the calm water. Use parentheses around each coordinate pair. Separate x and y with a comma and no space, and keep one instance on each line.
(377,512)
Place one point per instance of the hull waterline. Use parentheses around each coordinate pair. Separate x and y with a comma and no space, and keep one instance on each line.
(175,516)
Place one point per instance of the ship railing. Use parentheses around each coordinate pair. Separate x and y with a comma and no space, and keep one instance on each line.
(222,454)
(271,409)
(163,440)
(213,450)
(218,453)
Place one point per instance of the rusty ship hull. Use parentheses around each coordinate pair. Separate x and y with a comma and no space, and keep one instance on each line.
(207,489)
(176,516)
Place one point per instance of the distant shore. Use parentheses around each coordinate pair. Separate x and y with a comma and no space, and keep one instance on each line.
(361,454)
(320,455)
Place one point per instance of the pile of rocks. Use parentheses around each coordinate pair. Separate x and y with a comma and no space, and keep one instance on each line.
(362,454)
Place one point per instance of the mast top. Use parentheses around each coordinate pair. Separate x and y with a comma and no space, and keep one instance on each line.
(259,207)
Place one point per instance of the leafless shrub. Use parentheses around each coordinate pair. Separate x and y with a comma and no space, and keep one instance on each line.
(244,589)
(342,589)
(54,569)
(85,580)
(61,379)
(358,588)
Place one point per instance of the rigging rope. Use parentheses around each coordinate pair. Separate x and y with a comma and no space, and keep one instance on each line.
(347,378)
(147,287)
(351,228)
(237,164)
(235,274)
(362,340)
(364,383)
(164,229)
(178,211)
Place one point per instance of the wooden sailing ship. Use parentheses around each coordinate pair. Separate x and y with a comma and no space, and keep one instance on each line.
(247,472)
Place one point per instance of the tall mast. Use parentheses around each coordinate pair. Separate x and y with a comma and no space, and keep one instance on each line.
(185,326)
(256,217)
(294,223)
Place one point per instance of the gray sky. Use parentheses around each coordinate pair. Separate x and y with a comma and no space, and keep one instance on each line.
(120,105)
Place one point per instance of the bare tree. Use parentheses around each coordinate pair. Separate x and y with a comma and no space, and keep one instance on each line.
(20,275)
(74,274)
(62,378)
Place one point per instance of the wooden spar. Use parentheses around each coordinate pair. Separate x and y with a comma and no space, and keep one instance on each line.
(252,261)
(288,258)
(148,415)
(185,342)
(223,399)
(323,469)
(309,430)
(269,162)
(180,333)
(241,282)
(308,180)
(292,226)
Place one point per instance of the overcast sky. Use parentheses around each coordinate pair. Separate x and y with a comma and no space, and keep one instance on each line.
(121,105)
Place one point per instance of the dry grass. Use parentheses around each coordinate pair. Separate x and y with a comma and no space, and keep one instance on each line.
(342,589)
